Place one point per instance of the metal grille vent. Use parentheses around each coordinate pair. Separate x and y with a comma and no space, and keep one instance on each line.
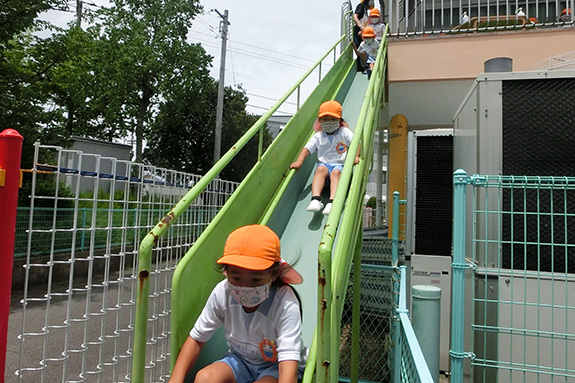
(538,139)
(433,201)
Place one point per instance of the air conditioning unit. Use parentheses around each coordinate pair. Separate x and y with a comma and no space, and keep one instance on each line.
(428,223)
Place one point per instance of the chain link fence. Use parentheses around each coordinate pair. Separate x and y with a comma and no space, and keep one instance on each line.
(377,310)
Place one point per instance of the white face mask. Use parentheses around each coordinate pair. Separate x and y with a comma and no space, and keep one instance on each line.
(369,41)
(375,20)
(249,296)
(330,126)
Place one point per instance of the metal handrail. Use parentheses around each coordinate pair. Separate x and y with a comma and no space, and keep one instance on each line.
(427,17)
(145,253)
(335,258)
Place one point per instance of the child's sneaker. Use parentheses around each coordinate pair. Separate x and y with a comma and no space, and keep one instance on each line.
(327,209)
(314,205)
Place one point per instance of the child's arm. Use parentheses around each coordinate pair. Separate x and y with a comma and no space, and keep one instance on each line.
(287,371)
(357,156)
(299,162)
(355,48)
(357,22)
(186,359)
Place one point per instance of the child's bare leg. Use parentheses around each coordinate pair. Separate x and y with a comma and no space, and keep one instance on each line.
(333,181)
(318,182)
(218,372)
(363,57)
(266,379)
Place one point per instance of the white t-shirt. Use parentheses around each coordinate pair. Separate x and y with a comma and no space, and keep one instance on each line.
(270,334)
(371,49)
(378,29)
(331,149)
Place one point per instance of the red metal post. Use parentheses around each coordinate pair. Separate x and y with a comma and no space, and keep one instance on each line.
(10,153)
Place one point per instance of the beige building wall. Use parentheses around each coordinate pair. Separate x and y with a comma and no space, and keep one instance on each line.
(461,56)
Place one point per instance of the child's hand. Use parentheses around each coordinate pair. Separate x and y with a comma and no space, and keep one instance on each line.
(296,165)
(357,158)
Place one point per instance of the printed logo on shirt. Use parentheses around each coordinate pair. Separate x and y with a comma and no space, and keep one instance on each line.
(341,147)
(250,352)
(269,350)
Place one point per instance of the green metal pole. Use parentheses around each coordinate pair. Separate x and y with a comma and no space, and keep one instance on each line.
(356,313)
(261,145)
(460,181)
(396,289)
(399,289)
(395,230)
(324,314)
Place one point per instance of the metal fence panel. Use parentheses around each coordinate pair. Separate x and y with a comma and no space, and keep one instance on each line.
(523,295)
(74,293)
(377,308)
(463,16)
(378,304)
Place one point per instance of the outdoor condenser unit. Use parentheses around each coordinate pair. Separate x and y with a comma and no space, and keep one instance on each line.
(521,124)
(428,221)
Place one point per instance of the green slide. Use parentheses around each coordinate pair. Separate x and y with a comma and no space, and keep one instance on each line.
(276,196)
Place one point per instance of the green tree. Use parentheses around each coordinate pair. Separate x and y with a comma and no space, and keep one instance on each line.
(143,59)
(17,16)
(182,136)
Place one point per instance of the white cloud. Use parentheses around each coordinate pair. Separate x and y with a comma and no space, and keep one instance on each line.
(291,36)
(271,43)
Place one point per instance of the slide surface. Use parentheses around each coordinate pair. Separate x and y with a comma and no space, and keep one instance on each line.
(300,231)
(271,194)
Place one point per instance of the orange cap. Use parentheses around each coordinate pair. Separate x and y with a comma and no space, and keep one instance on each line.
(374,12)
(330,108)
(566,11)
(257,247)
(368,32)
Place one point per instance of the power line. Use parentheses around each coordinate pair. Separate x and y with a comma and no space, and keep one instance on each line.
(270,98)
(264,57)
(258,56)
(232,62)
(277,52)
(265,108)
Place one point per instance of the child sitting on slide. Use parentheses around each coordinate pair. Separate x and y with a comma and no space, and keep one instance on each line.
(331,144)
(259,311)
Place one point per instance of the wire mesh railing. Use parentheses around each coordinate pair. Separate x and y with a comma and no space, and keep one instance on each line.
(74,295)
(45,240)
(522,301)
(409,364)
(377,308)
(441,17)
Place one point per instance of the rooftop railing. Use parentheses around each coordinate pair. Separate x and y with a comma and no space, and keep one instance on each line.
(424,17)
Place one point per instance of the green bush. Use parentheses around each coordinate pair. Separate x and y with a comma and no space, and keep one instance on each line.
(372,203)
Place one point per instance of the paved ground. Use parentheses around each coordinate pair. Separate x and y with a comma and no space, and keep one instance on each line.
(49,344)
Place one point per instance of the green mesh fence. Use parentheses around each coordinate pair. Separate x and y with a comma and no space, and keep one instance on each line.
(522,299)
(60,230)
(377,309)
(408,371)
(376,312)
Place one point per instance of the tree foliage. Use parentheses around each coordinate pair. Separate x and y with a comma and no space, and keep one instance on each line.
(147,57)
(17,16)
(182,135)
(131,70)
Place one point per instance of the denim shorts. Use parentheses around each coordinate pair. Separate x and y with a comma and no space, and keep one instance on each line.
(246,372)
(331,167)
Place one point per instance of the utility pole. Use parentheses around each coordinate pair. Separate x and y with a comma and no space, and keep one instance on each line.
(79,13)
(220,107)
